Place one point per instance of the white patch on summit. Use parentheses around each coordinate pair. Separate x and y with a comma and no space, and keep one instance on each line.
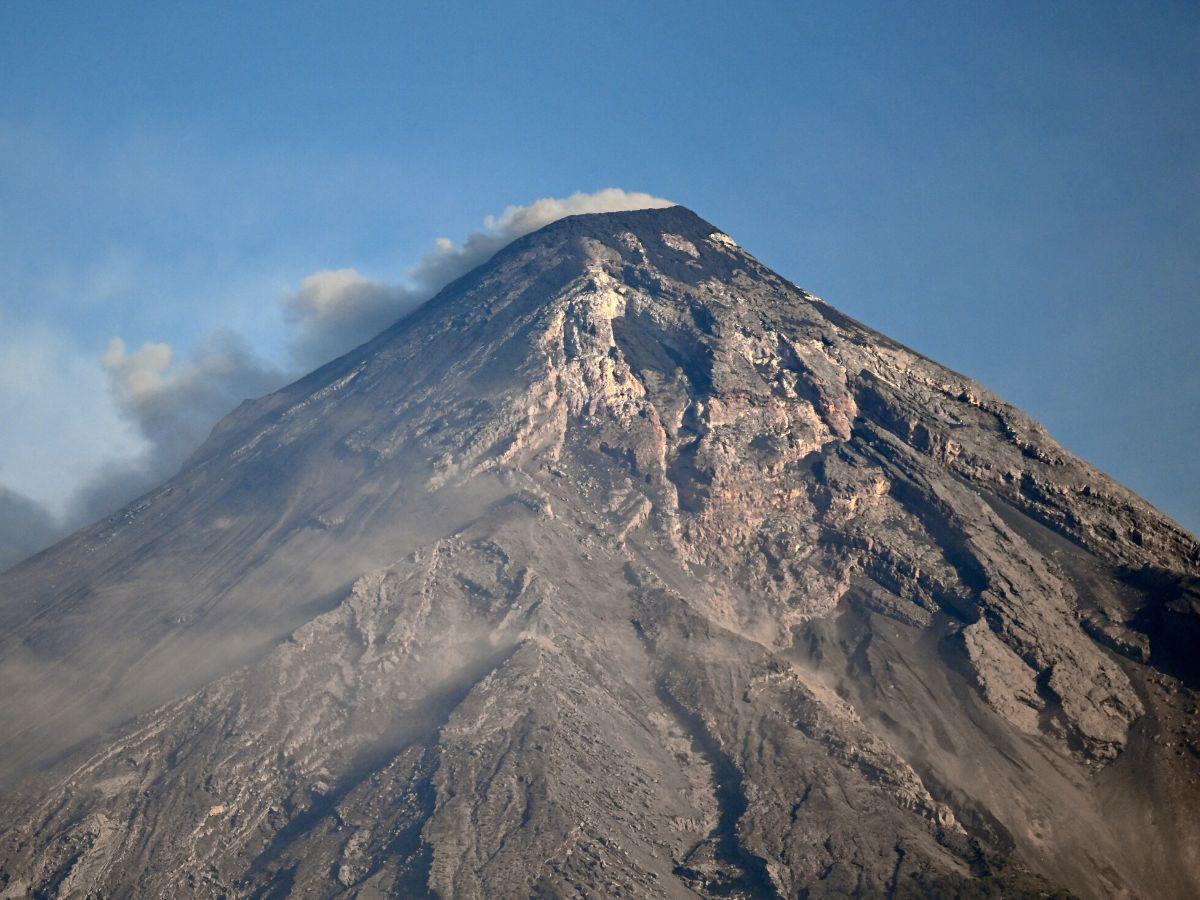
(718,237)
(682,244)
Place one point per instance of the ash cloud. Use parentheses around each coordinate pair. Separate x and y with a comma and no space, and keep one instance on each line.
(335,310)
(25,527)
(438,269)
(172,402)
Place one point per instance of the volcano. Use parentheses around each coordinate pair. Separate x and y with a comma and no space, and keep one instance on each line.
(623,567)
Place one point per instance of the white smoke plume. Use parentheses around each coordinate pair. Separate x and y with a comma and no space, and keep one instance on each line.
(448,262)
(336,309)
(172,402)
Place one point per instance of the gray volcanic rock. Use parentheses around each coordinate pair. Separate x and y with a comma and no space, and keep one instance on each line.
(622,568)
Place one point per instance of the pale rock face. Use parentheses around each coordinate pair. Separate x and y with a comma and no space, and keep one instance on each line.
(622,567)
(1008,685)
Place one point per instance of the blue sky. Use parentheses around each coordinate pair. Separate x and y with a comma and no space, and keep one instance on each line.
(1013,190)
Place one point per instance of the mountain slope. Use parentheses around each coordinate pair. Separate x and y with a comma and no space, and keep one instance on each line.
(621,567)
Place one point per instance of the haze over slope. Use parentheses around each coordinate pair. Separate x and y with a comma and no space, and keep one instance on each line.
(623,565)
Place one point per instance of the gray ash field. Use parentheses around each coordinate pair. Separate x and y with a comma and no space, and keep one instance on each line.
(623,567)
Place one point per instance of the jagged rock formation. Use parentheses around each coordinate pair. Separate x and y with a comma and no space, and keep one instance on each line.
(621,568)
